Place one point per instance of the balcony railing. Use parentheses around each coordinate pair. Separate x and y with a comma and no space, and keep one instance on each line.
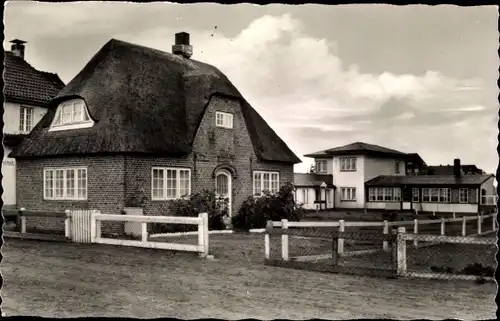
(489,200)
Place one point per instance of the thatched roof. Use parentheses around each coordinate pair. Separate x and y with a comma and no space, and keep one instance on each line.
(428,180)
(25,84)
(359,148)
(145,101)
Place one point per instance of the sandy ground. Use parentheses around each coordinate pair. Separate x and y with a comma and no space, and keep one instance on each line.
(72,280)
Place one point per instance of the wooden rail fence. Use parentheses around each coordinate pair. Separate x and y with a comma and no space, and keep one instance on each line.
(84,226)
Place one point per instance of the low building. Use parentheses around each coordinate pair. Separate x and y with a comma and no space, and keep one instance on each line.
(456,193)
(314,191)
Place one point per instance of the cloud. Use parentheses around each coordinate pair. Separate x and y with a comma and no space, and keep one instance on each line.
(295,80)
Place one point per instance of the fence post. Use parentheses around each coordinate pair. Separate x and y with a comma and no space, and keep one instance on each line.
(454,215)
(22,220)
(335,251)
(401,252)
(464,225)
(67,224)
(93,227)
(284,240)
(144,232)
(267,245)
(442,225)
(415,231)
(203,234)
(385,244)
(479,224)
(493,222)
(341,240)
(23,224)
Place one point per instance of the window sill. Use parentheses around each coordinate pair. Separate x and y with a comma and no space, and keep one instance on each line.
(56,128)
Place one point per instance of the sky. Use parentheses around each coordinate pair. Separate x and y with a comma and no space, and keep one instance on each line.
(419,79)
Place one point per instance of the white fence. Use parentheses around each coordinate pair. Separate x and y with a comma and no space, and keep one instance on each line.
(201,221)
(342,225)
(84,226)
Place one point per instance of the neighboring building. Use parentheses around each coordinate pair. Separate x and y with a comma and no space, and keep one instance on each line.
(27,92)
(314,191)
(433,193)
(415,165)
(448,170)
(354,164)
(142,127)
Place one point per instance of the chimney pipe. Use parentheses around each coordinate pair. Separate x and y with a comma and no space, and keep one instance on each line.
(182,46)
(17,48)
(457,168)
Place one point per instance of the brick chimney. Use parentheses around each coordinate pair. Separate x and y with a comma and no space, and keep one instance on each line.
(457,168)
(17,48)
(182,46)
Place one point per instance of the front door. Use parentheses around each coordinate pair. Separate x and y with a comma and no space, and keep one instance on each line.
(223,187)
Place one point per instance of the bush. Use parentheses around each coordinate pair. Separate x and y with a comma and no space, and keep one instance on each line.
(479,270)
(204,202)
(256,211)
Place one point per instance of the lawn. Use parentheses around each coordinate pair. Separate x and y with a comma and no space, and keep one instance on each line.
(71,280)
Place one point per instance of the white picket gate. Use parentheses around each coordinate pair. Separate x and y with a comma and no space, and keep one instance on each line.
(80,226)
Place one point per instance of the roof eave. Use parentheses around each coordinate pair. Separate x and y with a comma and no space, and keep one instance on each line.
(27,101)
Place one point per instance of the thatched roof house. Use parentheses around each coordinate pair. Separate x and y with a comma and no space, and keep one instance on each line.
(142,110)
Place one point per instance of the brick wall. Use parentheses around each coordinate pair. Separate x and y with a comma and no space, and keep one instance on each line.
(105,189)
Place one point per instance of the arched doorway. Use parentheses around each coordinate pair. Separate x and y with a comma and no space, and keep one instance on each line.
(223,187)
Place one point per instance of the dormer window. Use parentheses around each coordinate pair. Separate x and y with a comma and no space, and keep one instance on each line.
(71,114)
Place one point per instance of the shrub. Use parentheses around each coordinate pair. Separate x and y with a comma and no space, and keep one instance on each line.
(256,211)
(204,202)
(479,270)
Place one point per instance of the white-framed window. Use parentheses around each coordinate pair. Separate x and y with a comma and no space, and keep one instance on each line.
(397,166)
(305,195)
(71,114)
(463,195)
(384,194)
(170,183)
(265,181)
(321,166)
(436,195)
(415,195)
(26,119)
(348,194)
(347,164)
(65,183)
(224,120)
